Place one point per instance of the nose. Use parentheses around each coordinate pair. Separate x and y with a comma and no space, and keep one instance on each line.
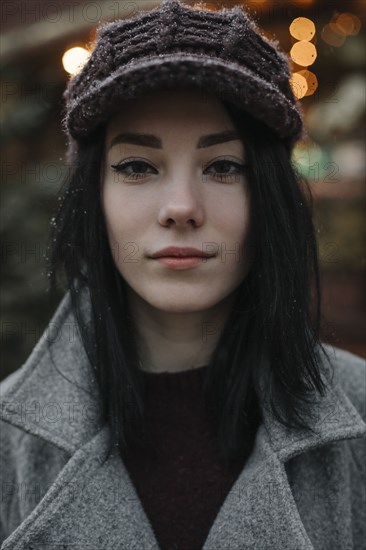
(182,202)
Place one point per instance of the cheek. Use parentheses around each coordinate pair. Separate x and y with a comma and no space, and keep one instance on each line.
(125,217)
(120,213)
(110,208)
(233,222)
(117,224)
(120,232)
(246,234)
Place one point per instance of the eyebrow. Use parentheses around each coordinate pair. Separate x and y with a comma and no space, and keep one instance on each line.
(148,140)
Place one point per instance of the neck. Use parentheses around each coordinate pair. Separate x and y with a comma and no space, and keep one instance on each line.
(173,342)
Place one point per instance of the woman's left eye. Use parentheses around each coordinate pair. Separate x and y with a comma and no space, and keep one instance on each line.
(227,176)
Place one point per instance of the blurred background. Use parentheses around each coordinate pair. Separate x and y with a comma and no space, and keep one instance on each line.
(43,43)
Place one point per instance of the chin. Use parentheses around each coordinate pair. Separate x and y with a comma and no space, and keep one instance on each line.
(181,305)
(180,300)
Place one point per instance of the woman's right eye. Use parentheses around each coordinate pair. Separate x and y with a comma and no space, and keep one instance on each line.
(130,169)
(123,168)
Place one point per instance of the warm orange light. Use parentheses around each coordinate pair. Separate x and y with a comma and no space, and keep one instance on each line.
(331,37)
(299,85)
(303,53)
(302,28)
(208,6)
(311,81)
(348,23)
(335,29)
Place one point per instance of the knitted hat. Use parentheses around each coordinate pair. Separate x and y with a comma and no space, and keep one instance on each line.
(221,52)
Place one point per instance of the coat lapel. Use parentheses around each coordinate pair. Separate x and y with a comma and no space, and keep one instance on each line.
(54,395)
(260,510)
(93,504)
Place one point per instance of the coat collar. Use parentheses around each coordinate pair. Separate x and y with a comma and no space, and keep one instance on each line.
(66,413)
(54,395)
(66,410)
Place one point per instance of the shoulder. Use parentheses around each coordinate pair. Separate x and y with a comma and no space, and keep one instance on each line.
(349,373)
(39,424)
(38,362)
(28,464)
(49,408)
(54,394)
(327,480)
(28,467)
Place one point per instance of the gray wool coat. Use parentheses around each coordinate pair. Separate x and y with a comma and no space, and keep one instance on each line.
(297,491)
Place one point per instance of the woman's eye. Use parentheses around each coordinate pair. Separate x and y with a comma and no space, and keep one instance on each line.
(124,168)
(226,170)
(224,173)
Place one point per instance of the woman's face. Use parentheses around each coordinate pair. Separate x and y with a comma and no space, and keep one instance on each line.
(176,187)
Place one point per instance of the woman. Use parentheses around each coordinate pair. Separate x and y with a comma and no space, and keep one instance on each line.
(181,397)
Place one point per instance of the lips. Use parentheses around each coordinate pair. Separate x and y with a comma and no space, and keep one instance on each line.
(181,252)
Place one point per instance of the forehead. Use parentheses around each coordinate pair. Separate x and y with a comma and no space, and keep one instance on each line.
(190,110)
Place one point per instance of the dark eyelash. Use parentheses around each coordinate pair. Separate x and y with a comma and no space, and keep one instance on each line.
(240,168)
(123,165)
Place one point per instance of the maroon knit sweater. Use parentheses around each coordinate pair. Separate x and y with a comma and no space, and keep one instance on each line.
(183,490)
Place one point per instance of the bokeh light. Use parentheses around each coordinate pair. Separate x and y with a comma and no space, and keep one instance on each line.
(303,53)
(331,35)
(299,85)
(74,59)
(311,81)
(302,28)
(347,23)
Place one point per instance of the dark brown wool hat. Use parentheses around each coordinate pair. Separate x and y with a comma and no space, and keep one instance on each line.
(222,52)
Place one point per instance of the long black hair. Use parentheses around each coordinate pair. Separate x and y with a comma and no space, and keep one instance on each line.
(270,342)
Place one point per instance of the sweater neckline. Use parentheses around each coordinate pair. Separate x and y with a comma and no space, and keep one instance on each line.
(180,380)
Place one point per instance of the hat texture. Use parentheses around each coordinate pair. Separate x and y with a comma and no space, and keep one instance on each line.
(221,52)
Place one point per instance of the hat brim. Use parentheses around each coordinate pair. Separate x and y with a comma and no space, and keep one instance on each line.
(229,81)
